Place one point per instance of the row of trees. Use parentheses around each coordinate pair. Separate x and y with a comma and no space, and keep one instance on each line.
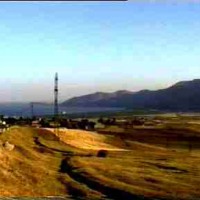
(83,124)
(113,121)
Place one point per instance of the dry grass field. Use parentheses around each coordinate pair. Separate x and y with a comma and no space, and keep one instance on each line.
(33,169)
(147,171)
(83,139)
(141,163)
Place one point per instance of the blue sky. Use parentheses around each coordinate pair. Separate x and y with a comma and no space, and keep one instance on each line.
(99,46)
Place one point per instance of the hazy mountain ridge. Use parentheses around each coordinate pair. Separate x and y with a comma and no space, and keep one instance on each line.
(182,96)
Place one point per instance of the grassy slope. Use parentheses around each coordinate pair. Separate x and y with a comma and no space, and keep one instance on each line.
(149,169)
(145,171)
(31,170)
(24,171)
(168,135)
(81,139)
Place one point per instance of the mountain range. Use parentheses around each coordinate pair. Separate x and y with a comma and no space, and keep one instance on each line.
(182,96)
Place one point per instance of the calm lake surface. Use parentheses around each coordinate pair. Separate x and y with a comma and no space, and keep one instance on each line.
(24,109)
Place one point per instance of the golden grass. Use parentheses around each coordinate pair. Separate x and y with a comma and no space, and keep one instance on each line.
(24,171)
(27,171)
(84,139)
(146,171)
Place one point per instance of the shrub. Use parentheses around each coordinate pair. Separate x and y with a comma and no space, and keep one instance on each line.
(102,153)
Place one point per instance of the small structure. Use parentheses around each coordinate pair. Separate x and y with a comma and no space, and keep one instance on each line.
(3,126)
(36,124)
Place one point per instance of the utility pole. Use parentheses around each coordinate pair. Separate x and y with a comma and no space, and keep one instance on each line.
(32,112)
(56,102)
(56,96)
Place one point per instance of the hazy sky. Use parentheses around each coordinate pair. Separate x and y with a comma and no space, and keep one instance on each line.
(95,46)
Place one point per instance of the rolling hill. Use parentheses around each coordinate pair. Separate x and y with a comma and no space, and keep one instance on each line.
(182,96)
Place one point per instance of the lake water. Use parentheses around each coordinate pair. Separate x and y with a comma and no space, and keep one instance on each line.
(24,109)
